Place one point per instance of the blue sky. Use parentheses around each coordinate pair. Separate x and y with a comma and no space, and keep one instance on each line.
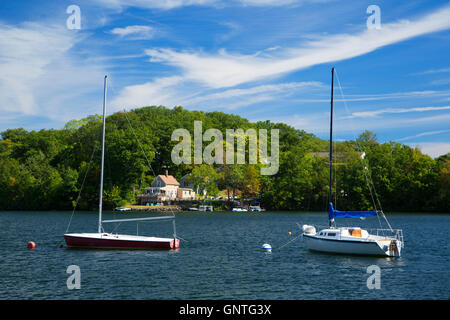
(260,59)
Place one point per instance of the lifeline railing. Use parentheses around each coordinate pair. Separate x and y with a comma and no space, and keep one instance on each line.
(394,233)
(119,221)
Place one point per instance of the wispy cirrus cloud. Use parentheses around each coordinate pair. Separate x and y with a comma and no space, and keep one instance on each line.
(153,4)
(25,53)
(228,81)
(266,89)
(38,73)
(433,71)
(203,71)
(277,3)
(170,91)
(425,94)
(135,32)
(424,134)
(433,149)
(173,4)
(232,99)
(161,91)
(268,2)
(226,70)
(318,123)
(375,113)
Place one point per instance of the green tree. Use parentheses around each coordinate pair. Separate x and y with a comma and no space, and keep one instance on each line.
(250,184)
(204,178)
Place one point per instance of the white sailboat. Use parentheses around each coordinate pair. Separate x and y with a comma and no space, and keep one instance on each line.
(104,240)
(351,240)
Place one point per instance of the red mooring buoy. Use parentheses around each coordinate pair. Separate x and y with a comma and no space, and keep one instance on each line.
(31,245)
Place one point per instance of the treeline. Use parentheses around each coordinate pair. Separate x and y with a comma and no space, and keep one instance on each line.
(55,169)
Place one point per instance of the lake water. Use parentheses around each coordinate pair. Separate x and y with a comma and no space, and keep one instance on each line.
(220,259)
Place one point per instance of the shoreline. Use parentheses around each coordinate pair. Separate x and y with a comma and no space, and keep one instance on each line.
(168,210)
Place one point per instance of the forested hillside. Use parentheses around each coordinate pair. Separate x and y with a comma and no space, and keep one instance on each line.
(42,170)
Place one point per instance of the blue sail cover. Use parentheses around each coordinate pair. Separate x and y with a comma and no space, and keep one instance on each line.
(332,213)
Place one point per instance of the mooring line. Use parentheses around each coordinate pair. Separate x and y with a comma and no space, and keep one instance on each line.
(291,240)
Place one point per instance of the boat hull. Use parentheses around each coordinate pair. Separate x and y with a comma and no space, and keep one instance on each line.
(111,241)
(371,248)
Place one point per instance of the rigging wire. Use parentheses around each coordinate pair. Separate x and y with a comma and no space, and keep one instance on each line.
(148,161)
(81,188)
(374,196)
(335,172)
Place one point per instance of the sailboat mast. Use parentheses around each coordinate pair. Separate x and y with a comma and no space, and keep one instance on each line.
(331,140)
(102,161)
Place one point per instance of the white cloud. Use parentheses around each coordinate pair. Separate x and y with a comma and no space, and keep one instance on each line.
(268,2)
(277,3)
(158,92)
(315,123)
(397,95)
(233,27)
(433,71)
(226,70)
(25,52)
(38,74)
(173,4)
(262,89)
(154,4)
(237,98)
(440,82)
(356,125)
(375,113)
(423,134)
(426,94)
(433,149)
(202,71)
(135,32)
(169,91)
(319,123)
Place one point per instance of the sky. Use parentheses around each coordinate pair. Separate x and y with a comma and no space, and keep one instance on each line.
(259,59)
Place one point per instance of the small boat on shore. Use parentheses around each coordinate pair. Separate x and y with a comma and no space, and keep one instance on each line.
(122,209)
(206,208)
(239,210)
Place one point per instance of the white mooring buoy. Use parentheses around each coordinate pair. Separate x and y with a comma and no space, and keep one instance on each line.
(266,247)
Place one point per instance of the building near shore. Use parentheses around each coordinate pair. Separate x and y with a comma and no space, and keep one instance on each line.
(165,187)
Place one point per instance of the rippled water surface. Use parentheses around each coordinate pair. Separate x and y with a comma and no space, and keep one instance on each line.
(219,259)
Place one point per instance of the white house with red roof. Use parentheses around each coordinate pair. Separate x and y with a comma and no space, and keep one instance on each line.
(166,187)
